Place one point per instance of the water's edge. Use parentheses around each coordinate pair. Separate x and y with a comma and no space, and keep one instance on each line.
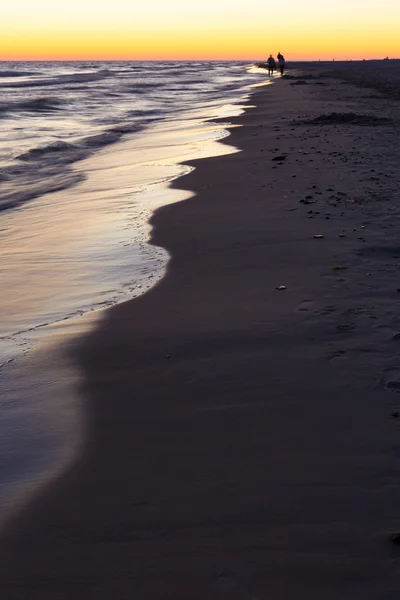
(34,384)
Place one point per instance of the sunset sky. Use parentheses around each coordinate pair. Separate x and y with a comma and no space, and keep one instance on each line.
(203,29)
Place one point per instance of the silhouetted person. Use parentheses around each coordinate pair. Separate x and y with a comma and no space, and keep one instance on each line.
(271,65)
(282,63)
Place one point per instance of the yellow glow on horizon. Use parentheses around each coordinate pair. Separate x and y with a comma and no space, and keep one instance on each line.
(95,30)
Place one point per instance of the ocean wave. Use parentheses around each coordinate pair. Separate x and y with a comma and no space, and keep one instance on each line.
(128,128)
(144,113)
(190,82)
(102,139)
(31,187)
(41,104)
(59,80)
(34,105)
(131,121)
(143,85)
(59,153)
(47,168)
(17,73)
(105,94)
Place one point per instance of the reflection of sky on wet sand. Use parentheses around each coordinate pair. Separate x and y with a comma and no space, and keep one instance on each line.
(41,419)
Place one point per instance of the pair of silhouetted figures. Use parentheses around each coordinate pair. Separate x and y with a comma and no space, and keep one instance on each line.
(272,64)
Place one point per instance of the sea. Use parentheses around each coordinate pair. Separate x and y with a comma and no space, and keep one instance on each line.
(87,152)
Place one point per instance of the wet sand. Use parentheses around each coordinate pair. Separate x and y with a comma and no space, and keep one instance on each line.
(241,440)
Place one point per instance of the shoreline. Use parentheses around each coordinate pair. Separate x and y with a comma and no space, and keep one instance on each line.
(31,458)
(239,441)
(146,194)
(28,458)
(107,167)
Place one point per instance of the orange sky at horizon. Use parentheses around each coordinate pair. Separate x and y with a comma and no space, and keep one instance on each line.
(176,30)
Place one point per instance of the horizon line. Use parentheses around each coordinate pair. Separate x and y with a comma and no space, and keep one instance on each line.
(295,60)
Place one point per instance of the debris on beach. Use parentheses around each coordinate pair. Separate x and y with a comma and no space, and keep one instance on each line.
(301,77)
(338,268)
(318,236)
(281,157)
(281,287)
(347,119)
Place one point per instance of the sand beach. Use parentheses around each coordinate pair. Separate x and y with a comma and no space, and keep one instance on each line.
(241,430)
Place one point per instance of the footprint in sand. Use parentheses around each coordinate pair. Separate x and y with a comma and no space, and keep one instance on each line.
(391,379)
(337,354)
(327,310)
(333,276)
(305,305)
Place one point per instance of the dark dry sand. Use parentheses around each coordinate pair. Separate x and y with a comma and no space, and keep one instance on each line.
(240,439)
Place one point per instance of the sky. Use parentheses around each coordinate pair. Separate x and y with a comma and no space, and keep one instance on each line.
(198,29)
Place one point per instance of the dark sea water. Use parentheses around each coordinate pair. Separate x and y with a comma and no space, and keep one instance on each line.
(86,154)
